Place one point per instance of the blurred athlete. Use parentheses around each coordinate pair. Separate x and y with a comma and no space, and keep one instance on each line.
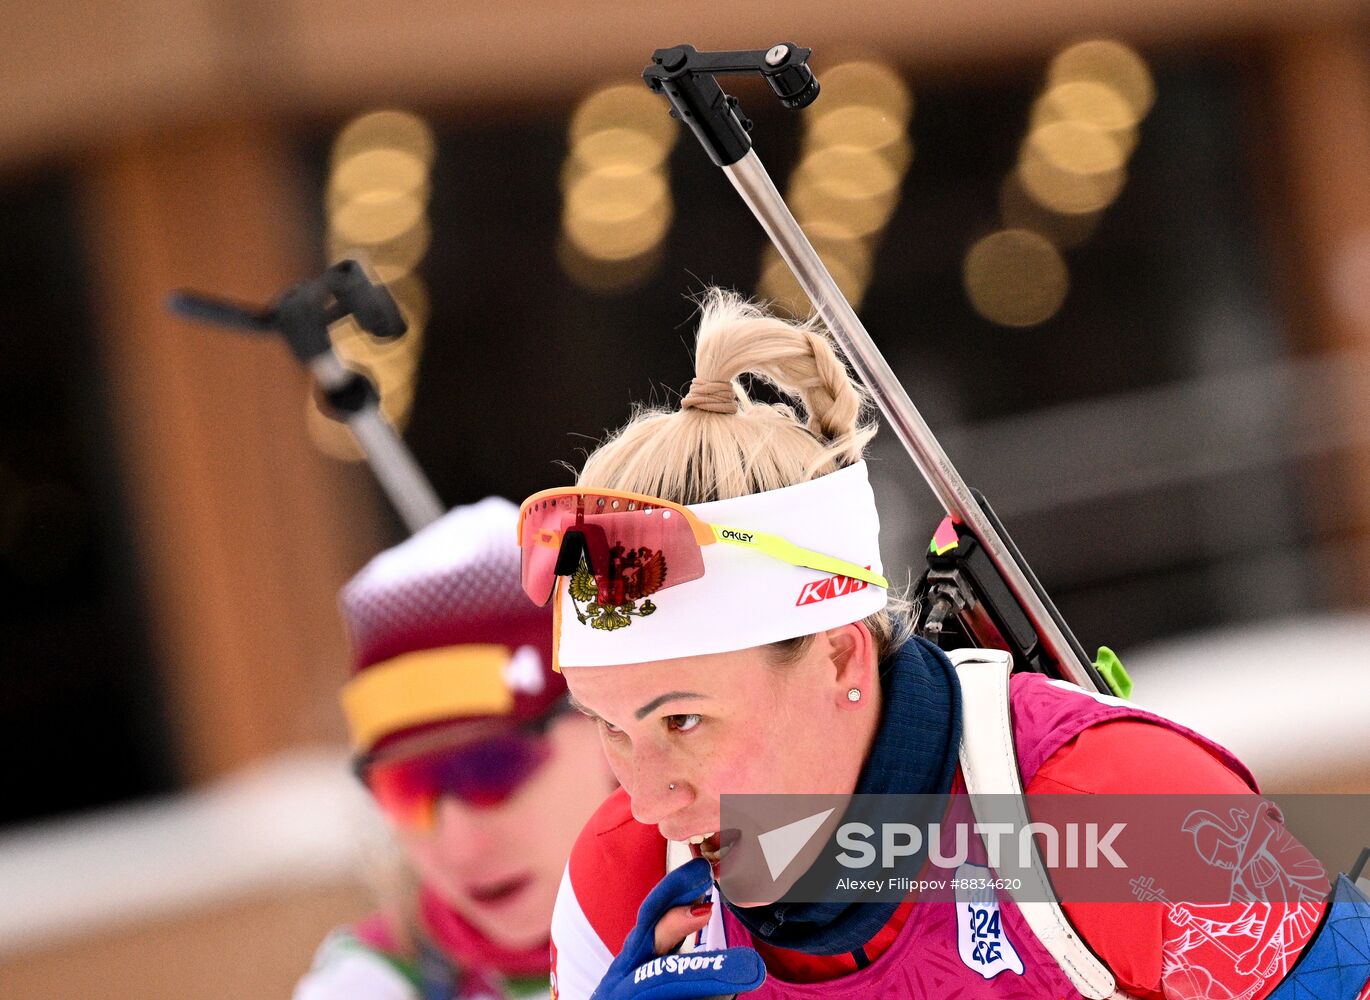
(464,740)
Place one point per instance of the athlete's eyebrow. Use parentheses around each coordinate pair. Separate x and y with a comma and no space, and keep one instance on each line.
(642,712)
(571,699)
(660,700)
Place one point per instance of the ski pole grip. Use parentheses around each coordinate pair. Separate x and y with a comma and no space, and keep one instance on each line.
(206,309)
(368,302)
(698,101)
(686,77)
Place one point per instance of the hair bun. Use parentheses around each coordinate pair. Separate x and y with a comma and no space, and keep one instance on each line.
(690,456)
(710,396)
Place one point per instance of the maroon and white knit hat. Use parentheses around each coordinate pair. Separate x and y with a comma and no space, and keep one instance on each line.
(442,631)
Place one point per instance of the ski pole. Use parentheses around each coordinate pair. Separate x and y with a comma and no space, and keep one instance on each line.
(686,77)
(302,316)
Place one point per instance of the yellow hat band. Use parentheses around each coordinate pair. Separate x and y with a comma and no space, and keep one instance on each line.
(426,686)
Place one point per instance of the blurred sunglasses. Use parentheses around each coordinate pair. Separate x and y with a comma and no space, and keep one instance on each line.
(634,545)
(482,774)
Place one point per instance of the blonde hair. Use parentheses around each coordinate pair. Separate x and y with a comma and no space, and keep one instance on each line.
(721,443)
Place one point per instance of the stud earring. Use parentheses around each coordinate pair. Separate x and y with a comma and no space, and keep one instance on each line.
(854,694)
(671,787)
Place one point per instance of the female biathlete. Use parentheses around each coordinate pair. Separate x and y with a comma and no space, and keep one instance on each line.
(721,613)
(464,739)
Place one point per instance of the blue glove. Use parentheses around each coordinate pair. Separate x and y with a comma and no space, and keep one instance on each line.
(638,973)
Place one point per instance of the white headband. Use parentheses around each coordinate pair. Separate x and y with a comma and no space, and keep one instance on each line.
(746,598)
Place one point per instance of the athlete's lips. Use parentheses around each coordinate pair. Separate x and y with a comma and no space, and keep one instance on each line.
(681,833)
(716,847)
(502,891)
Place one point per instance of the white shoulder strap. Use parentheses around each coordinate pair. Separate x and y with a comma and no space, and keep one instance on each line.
(989,765)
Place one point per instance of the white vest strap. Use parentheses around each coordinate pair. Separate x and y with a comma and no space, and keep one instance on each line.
(677,853)
(711,937)
(989,765)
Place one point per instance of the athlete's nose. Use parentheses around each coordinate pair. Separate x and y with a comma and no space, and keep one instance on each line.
(464,833)
(658,787)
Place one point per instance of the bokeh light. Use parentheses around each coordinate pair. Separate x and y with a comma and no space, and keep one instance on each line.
(390,259)
(851,168)
(1108,62)
(616,198)
(628,106)
(1015,277)
(1071,166)
(389,129)
(384,168)
(1083,127)
(1019,210)
(606,277)
(1090,103)
(864,83)
(373,217)
(377,203)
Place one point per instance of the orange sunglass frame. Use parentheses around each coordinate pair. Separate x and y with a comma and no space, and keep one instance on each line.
(703,533)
